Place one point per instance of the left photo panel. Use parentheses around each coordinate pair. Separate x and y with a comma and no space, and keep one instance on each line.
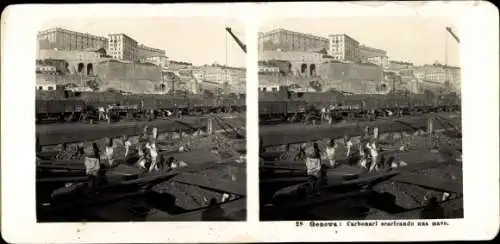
(141,119)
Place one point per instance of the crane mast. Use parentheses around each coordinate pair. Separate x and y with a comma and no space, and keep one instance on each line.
(240,43)
(453,34)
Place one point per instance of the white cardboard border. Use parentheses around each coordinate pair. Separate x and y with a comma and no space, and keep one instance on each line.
(477,24)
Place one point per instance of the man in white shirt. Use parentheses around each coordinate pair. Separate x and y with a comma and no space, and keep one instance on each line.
(375,132)
(373,154)
(348,145)
(109,153)
(101,113)
(154,132)
(127,144)
(313,166)
(154,156)
(330,152)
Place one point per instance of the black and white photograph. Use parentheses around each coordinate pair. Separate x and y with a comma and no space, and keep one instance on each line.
(274,122)
(140,119)
(359,119)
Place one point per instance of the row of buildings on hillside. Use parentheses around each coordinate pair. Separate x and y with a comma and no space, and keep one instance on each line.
(340,47)
(85,56)
(117,45)
(307,55)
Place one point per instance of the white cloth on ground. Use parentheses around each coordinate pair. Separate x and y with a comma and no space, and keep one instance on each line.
(155,133)
(330,155)
(109,155)
(127,144)
(92,166)
(313,166)
(348,147)
(142,163)
(362,163)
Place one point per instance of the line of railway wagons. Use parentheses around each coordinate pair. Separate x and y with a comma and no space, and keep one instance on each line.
(66,106)
(282,104)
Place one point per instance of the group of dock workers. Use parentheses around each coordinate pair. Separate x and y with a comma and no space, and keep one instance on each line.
(330,113)
(368,156)
(146,156)
(107,113)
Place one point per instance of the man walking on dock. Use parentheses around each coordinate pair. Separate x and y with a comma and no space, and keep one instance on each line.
(330,152)
(313,165)
(348,145)
(92,165)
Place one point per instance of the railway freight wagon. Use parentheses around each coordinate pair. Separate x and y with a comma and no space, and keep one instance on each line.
(280,110)
(68,106)
(58,109)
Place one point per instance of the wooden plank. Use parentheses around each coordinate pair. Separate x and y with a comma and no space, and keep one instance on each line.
(290,168)
(61,164)
(455,204)
(229,209)
(366,180)
(192,157)
(62,179)
(212,183)
(343,170)
(284,179)
(430,182)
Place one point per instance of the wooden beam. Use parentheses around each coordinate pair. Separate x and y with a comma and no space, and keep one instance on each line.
(430,182)
(212,183)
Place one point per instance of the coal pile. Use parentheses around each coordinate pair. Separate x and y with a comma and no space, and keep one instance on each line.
(413,196)
(191,197)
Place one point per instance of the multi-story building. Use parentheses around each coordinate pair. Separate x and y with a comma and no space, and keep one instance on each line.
(144,51)
(290,41)
(72,62)
(366,52)
(66,40)
(161,61)
(291,56)
(219,74)
(373,55)
(122,47)
(179,65)
(45,69)
(382,61)
(398,65)
(439,73)
(343,47)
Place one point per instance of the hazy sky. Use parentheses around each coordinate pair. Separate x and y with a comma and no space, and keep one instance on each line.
(200,40)
(415,39)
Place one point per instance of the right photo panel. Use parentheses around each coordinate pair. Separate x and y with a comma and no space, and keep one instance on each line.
(360,119)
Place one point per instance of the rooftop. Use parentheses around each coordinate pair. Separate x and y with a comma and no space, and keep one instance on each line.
(122,34)
(150,48)
(400,62)
(58,29)
(180,62)
(293,32)
(343,34)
